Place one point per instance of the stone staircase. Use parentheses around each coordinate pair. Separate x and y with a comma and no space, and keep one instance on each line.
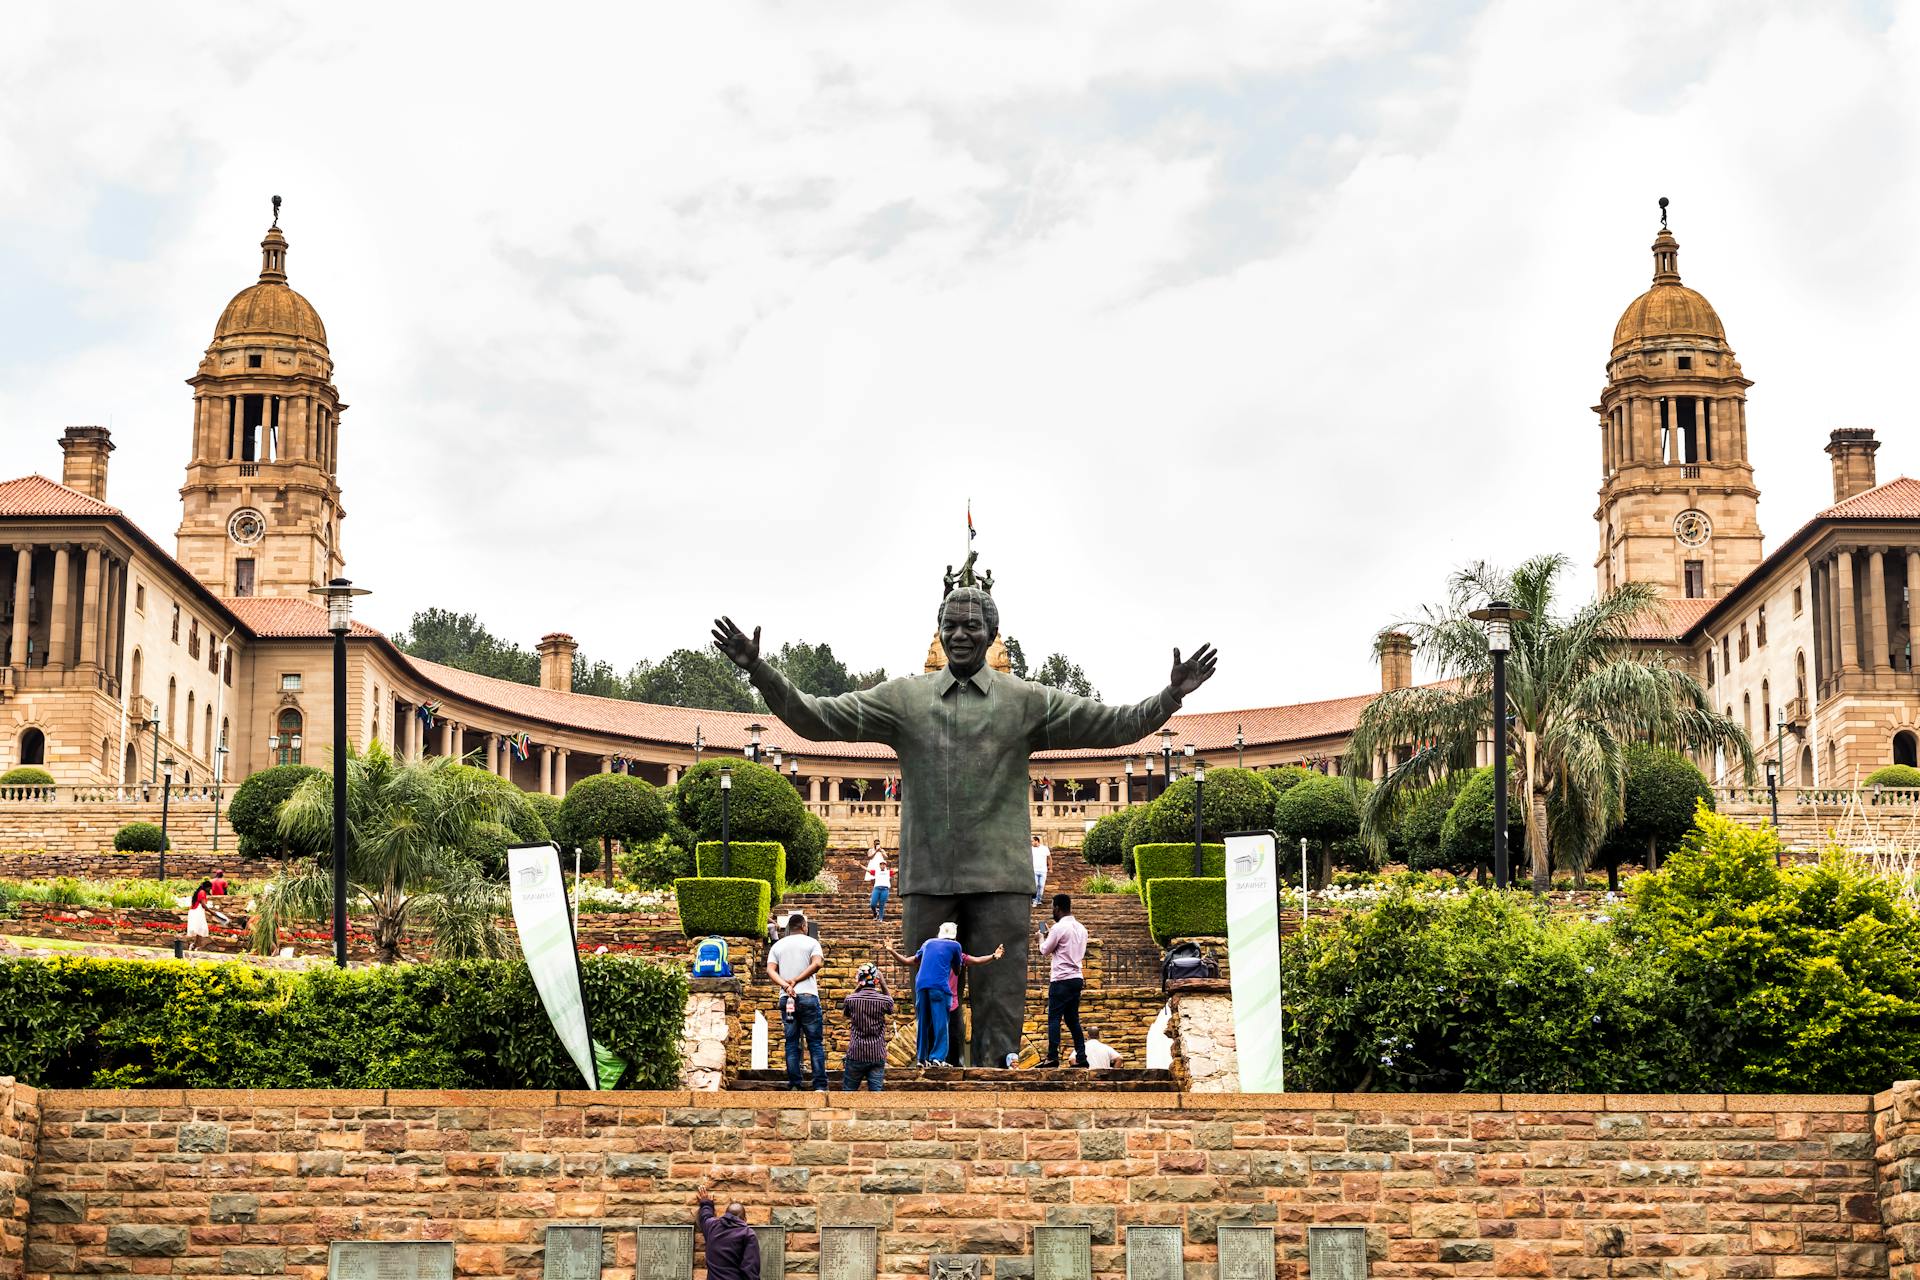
(1806,829)
(987,1080)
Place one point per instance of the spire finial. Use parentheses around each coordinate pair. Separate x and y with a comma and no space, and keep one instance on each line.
(276,211)
(1663,210)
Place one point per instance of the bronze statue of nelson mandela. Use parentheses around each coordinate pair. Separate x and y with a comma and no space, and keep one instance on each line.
(963,735)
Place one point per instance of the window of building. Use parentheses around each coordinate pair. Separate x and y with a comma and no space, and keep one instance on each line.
(1746,714)
(226,669)
(1743,642)
(1796,602)
(290,682)
(1800,679)
(1696,574)
(253,362)
(243,576)
(1760,627)
(193,637)
(1726,655)
(139,597)
(172,689)
(176,624)
(1766,706)
(287,742)
(190,701)
(1709,664)
(213,656)
(1686,362)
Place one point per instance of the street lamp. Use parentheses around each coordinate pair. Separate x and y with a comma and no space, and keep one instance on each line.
(793,771)
(166,789)
(219,775)
(1149,759)
(773,753)
(339,594)
(153,756)
(726,824)
(1166,759)
(698,743)
(1126,797)
(753,740)
(1239,748)
(1199,817)
(1499,617)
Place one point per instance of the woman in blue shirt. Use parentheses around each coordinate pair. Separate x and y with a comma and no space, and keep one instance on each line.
(939,959)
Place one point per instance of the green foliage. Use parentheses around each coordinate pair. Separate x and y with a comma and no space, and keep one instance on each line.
(1163,861)
(1186,907)
(1133,833)
(1417,832)
(1796,979)
(807,853)
(1061,672)
(733,907)
(1892,775)
(26,775)
(693,678)
(81,1022)
(459,640)
(1664,789)
(611,806)
(1466,834)
(756,859)
(655,864)
(1102,845)
(764,805)
(1323,811)
(1236,800)
(254,811)
(140,837)
(148,894)
(813,669)
(1106,884)
(1287,776)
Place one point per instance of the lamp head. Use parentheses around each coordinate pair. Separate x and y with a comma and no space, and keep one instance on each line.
(1199,772)
(726,777)
(1499,617)
(338,594)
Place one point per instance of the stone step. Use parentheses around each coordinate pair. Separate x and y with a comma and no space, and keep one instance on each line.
(984,1080)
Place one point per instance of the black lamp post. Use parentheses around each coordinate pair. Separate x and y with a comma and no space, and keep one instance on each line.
(1199,814)
(726,822)
(1126,796)
(1239,748)
(219,776)
(753,740)
(698,743)
(339,594)
(1166,760)
(793,771)
(166,790)
(1499,617)
(153,756)
(773,754)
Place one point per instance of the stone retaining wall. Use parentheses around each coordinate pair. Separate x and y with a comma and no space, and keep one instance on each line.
(173,1183)
(19,1141)
(110,865)
(65,825)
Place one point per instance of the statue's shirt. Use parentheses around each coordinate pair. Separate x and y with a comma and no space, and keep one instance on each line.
(965,810)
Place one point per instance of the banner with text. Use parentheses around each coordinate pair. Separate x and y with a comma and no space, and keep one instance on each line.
(546,940)
(1253,945)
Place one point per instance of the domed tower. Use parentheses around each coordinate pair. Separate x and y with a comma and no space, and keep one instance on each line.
(1678,507)
(260,510)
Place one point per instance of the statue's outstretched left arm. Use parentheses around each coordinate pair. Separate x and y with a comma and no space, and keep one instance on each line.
(861,716)
(1070,721)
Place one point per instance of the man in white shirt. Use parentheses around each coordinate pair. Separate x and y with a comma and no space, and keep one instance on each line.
(792,963)
(1040,855)
(1100,1057)
(882,877)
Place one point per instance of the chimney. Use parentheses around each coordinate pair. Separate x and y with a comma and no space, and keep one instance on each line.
(556,661)
(85,465)
(1396,661)
(1852,449)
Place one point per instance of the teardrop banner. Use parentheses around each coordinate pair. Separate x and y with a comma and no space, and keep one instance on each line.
(1253,944)
(546,940)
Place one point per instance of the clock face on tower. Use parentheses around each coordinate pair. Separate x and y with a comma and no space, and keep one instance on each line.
(247,526)
(1692,528)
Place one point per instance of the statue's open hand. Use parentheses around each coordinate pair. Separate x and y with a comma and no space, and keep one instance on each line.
(740,649)
(1194,672)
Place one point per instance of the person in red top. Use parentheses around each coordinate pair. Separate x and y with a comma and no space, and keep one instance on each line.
(197,914)
(218,887)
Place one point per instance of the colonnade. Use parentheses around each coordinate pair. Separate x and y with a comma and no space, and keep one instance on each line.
(1860,625)
(1631,431)
(80,626)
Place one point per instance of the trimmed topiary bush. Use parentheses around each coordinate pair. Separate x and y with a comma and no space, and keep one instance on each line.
(1466,836)
(733,907)
(1236,800)
(26,775)
(764,805)
(1187,907)
(140,837)
(758,859)
(1894,775)
(1322,811)
(1664,790)
(609,807)
(254,811)
(1174,861)
(1102,846)
(807,855)
(1416,833)
(547,809)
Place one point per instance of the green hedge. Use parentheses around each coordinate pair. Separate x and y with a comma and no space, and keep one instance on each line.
(763,806)
(1186,907)
(733,907)
(807,851)
(1160,861)
(254,811)
(1893,775)
(1235,800)
(751,860)
(81,1022)
(26,775)
(1102,846)
(140,837)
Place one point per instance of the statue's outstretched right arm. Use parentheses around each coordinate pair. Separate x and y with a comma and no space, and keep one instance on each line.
(861,716)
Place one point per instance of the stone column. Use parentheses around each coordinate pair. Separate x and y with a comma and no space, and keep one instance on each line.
(673,774)
(1873,653)
(1848,648)
(493,753)
(606,764)
(446,737)
(560,771)
(546,771)
(833,790)
(58,611)
(1913,606)
(813,788)
(90,594)
(22,584)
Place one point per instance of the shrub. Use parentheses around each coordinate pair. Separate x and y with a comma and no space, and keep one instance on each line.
(1186,907)
(1284,778)
(807,855)
(1322,811)
(1417,831)
(655,864)
(1106,884)
(1893,775)
(1132,834)
(1663,790)
(612,806)
(754,859)
(732,907)
(1236,800)
(80,1022)
(1101,847)
(549,810)
(1162,861)
(764,805)
(140,837)
(254,811)
(26,775)
(149,894)
(1466,836)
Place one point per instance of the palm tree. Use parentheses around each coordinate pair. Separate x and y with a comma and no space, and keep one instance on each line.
(1577,694)
(409,828)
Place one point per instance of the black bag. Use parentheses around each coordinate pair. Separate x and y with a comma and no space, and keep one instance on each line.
(1187,960)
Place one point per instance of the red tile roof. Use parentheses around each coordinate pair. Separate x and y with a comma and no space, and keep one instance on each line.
(39,496)
(1897,499)
(285,617)
(1669,619)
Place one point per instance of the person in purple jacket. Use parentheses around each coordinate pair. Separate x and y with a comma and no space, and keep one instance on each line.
(733,1250)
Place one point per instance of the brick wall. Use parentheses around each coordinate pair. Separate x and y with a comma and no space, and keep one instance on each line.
(19,1139)
(171,1183)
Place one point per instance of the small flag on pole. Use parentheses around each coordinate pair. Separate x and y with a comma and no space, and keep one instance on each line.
(970,528)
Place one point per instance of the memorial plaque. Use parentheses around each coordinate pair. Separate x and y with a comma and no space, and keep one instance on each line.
(390,1260)
(1063,1253)
(848,1253)
(1154,1253)
(573,1253)
(773,1252)
(1337,1253)
(1246,1253)
(953,1266)
(663,1253)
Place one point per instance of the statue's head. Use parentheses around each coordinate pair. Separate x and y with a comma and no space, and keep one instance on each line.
(969,621)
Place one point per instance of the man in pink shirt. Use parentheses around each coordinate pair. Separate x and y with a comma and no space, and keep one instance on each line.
(1066,946)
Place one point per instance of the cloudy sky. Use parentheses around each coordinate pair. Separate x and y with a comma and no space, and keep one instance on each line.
(1236,322)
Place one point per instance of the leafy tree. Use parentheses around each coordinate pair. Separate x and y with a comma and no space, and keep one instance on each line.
(613,806)
(763,806)
(255,811)
(1061,672)
(597,678)
(459,640)
(1235,800)
(693,678)
(807,854)
(1577,694)
(1417,832)
(1016,656)
(408,825)
(1466,833)
(813,669)
(1322,811)
(1664,789)
(1101,847)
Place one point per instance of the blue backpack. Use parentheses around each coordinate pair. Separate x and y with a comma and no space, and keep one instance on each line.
(710,959)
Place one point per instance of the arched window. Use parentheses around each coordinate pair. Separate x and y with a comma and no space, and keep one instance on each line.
(206,739)
(1800,676)
(226,728)
(33,747)
(227,668)
(172,689)
(1806,767)
(1766,708)
(287,741)
(139,664)
(1746,713)
(106,760)
(189,722)
(130,766)
(1906,749)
